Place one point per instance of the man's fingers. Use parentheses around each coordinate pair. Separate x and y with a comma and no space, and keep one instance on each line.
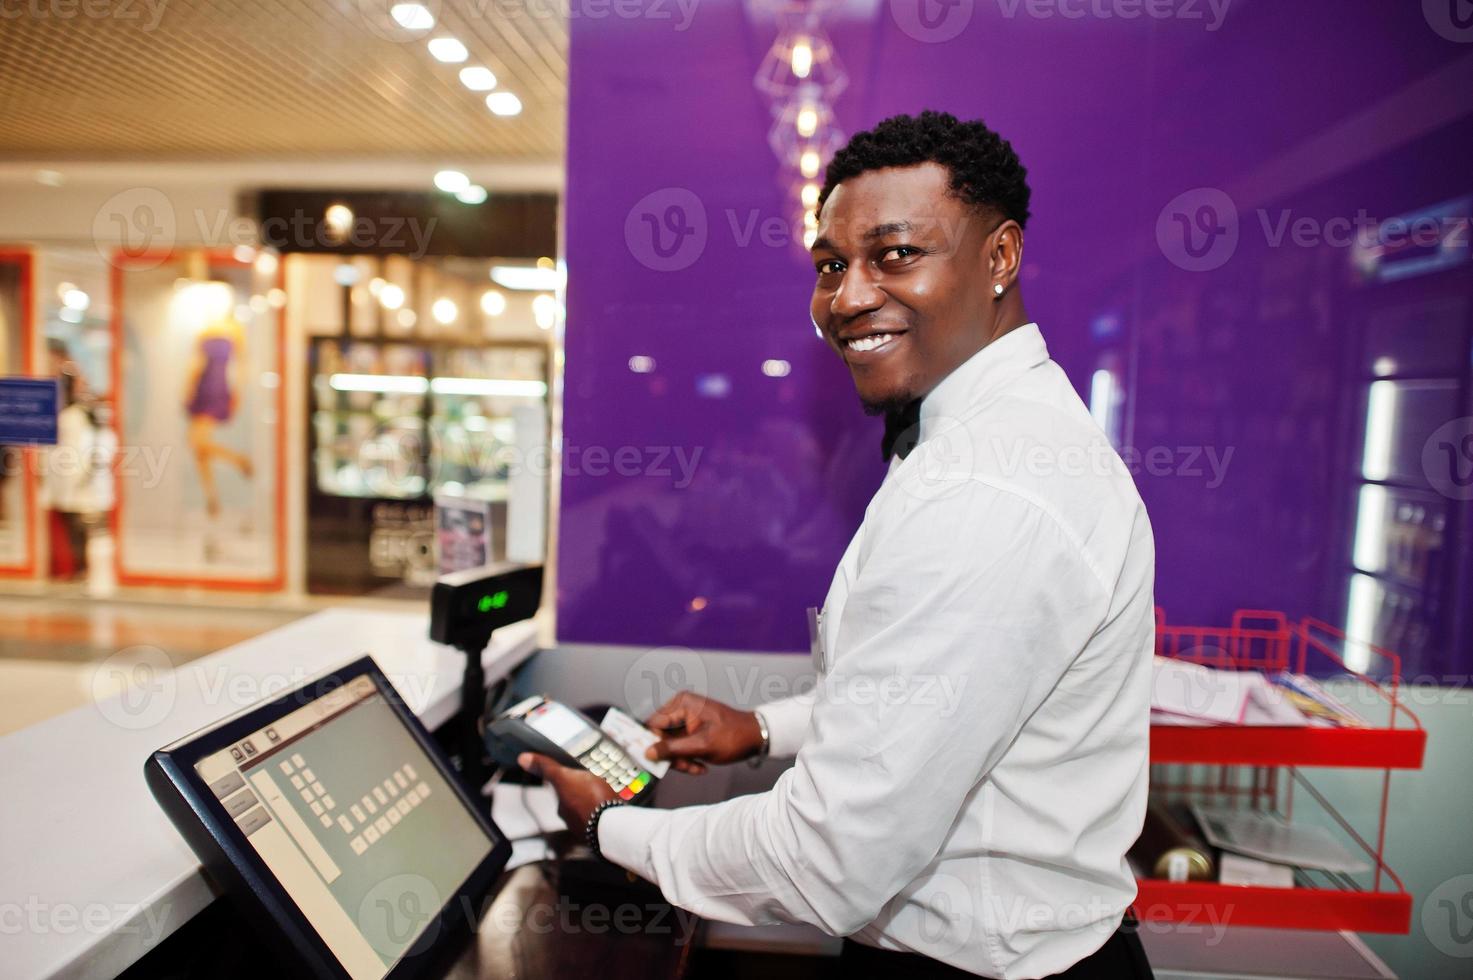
(684,746)
(679,712)
(539,765)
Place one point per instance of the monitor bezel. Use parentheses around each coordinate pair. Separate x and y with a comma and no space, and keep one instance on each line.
(232,861)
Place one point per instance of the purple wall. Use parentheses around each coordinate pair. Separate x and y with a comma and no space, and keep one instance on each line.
(1258,364)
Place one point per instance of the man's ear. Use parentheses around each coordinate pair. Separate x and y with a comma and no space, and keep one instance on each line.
(1005,252)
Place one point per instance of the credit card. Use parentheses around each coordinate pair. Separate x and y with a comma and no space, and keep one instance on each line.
(634,738)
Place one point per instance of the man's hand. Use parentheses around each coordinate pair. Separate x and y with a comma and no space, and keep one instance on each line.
(704,731)
(578,790)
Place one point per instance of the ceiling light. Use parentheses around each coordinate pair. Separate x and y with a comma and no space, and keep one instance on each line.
(806,121)
(50,178)
(407,317)
(75,299)
(808,163)
(391,296)
(265,263)
(339,220)
(493,303)
(526,277)
(452,181)
(447,50)
(412,16)
(809,195)
(802,58)
(776,368)
(477,79)
(503,103)
(471,194)
(445,310)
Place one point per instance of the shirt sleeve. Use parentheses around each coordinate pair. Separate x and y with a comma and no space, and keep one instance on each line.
(964,615)
(787,720)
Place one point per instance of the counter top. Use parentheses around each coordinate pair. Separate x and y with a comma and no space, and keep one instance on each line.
(94,875)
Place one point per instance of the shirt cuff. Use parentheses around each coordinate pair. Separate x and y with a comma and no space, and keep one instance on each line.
(787,723)
(624,835)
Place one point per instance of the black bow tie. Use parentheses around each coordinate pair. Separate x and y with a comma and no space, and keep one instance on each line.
(902,431)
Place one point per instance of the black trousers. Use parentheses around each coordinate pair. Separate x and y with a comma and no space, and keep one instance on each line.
(1121,958)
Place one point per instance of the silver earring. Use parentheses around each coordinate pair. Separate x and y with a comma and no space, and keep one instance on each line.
(997,288)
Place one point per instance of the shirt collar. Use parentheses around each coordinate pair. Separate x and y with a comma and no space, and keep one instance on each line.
(983,373)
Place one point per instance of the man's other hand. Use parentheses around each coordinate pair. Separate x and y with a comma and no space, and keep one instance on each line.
(699,731)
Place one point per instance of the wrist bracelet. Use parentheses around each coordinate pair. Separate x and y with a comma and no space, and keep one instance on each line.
(590,830)
(756,760)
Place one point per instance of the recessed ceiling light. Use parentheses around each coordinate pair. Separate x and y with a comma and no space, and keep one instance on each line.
(503,103)
(477,78)
(447,50)
(412,16)
(472,194)
(452,181)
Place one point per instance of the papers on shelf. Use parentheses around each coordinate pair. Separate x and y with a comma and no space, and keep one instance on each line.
(1184,693)
(1235,869)
(1260,836)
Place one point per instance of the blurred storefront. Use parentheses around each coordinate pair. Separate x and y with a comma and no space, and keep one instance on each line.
(277,409)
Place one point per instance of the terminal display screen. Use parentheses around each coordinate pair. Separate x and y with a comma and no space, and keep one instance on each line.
(356,822)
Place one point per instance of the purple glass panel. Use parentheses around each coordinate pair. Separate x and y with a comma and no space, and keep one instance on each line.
(1241,361)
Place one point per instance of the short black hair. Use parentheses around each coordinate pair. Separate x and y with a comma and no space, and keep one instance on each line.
(985,171)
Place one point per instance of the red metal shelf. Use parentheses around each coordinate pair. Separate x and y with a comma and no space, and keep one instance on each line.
(1238,745)
(1205,904)
(1243,765)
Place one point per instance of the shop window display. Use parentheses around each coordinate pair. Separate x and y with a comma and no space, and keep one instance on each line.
(16,488)
(197,377)
(451,402)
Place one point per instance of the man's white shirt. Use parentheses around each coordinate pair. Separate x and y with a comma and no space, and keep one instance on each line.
(972,766)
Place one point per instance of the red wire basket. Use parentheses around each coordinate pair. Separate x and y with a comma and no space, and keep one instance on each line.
(1257,767)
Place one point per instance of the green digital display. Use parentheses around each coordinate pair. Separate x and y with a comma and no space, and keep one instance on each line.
(496,600)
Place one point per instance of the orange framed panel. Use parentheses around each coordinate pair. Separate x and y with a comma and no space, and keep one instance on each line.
(122,261)
(25,260)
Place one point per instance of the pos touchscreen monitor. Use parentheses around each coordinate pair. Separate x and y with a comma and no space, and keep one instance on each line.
(336,825)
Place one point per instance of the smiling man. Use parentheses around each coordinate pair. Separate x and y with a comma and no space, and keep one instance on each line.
(1006,560)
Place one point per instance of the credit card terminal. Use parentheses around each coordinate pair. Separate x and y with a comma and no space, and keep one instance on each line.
(540,724)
